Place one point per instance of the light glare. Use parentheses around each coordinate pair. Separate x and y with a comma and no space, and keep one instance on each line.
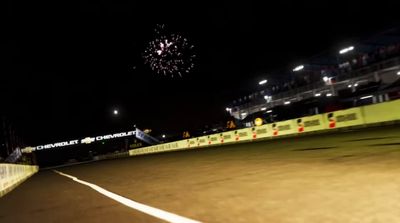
(366,97)
(298,68)
(347,49)
(262,82)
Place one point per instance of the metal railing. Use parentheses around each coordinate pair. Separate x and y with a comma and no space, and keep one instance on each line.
(255,104)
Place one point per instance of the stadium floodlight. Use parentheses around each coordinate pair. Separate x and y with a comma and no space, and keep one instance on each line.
(329,94)
(317,94)
(347,49)
(244,114)
(287,102)
(263,109)
(262,82)
(115,112)
(269,111)
(366,97)
(298,68)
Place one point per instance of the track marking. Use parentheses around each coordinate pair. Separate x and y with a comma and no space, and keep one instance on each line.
(158,213)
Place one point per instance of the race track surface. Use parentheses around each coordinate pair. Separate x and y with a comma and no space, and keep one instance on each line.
(351,176)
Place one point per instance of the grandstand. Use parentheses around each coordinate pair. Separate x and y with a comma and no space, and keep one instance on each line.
(365,74)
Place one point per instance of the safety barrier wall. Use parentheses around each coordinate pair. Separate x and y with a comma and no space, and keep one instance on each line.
(202,141)
(376,113)
(310,123)
(227,137)
(263,131)
(344,118)
(382,112)
(243,134)
(11,175)
(111,156)
(283,128)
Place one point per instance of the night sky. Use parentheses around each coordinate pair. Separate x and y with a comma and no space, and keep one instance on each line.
(66,66)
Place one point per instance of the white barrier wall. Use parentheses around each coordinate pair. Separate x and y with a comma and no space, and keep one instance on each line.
(11,175)
(310,123)
(381,112)
(243,134)
(287,127)
(344,118)
(376,113)
(228,137)
(202,141)
(263,131)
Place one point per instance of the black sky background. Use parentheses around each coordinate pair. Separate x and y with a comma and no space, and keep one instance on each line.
(66,66)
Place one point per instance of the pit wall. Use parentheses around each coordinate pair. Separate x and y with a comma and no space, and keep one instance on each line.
(11,175)
(354,117)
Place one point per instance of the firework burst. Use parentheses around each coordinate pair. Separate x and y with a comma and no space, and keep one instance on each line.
(169,53)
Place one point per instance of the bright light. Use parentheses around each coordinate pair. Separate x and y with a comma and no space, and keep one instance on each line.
(269,111)
(347,49)
(298,68)
(268,98)
(262,82)
(355,85)
(163,136)
(365,97)
(263,109)
(115,112)
(326,79)
(349,86)
(317,94)
(228,109)
(244,114)
(258,121)
(328,95)
(287,102)
(398,73)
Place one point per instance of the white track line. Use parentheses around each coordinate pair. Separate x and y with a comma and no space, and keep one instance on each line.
(158,213)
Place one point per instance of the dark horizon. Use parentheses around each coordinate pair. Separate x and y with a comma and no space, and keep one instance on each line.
(67,68)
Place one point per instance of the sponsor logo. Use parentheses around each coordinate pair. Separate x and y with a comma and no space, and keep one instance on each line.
(347,117)
(284,127)
(312,123)
(87,140)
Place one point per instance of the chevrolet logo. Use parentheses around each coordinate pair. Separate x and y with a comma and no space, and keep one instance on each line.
(27,150)
(87,140)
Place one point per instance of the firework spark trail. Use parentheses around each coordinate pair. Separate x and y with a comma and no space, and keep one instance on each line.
(169,54)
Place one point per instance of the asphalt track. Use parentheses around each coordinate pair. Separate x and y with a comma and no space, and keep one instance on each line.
(351,176)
